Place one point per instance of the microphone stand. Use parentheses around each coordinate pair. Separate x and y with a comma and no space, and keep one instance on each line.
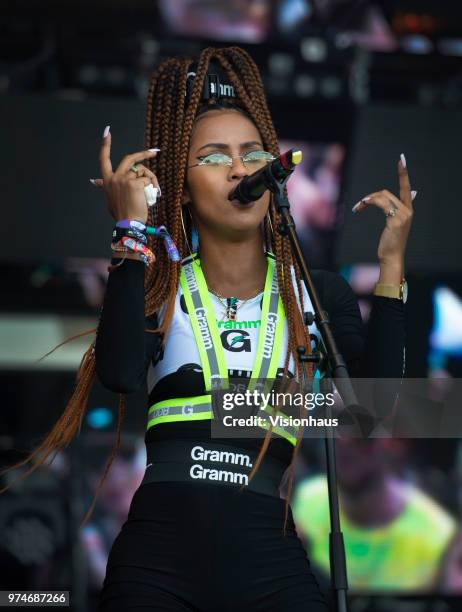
(333,361)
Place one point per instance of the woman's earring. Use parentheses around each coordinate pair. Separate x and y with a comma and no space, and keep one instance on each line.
(270,224)
(184,231)
(194,235)
(271,228)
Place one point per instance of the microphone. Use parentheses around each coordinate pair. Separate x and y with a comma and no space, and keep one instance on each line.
(254,186)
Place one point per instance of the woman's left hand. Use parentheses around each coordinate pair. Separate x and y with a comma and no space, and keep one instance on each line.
(392,245)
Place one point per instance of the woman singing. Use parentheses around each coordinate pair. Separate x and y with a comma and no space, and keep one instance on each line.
(194,541)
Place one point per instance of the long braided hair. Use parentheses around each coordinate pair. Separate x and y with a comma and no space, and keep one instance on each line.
(169,125)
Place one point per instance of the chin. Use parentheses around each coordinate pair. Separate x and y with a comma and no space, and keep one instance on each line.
(252,210)
(247,223)
(230,218)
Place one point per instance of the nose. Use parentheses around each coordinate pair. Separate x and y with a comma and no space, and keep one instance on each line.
(237,170)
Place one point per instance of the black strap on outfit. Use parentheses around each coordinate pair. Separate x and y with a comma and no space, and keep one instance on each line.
(211,463)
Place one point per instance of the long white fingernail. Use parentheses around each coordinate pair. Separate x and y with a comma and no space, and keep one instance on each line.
(358,204)
(159,190)
(403,160)
(413,194)
(106,131)
(93,182)
(153,150)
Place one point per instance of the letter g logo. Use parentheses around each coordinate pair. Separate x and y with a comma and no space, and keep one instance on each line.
(236,342)
(187,409)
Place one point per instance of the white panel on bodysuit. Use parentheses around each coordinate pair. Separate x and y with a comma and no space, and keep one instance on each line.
(240,345)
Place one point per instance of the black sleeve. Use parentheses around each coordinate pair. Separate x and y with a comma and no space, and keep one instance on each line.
(375,353)
(123,348)
(384,355)
(340,302)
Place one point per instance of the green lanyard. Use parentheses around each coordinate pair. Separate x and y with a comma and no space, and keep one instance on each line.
(203,321)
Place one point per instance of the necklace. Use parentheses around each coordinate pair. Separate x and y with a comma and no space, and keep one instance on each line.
(231,305)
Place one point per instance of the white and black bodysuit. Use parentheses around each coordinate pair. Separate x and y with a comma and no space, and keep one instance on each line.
(188,546)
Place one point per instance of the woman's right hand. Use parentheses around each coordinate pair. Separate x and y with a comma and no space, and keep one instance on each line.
(124,188)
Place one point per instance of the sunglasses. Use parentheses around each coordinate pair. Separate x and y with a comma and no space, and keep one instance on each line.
(251,159)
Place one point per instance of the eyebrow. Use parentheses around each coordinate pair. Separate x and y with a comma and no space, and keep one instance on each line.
(221,145)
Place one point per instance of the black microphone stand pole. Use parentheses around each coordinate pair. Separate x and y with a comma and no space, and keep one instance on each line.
(337,369)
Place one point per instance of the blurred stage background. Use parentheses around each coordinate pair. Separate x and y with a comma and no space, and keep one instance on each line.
(354,84)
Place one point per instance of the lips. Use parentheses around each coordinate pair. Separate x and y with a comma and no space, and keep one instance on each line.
(242,206)
(239,204)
